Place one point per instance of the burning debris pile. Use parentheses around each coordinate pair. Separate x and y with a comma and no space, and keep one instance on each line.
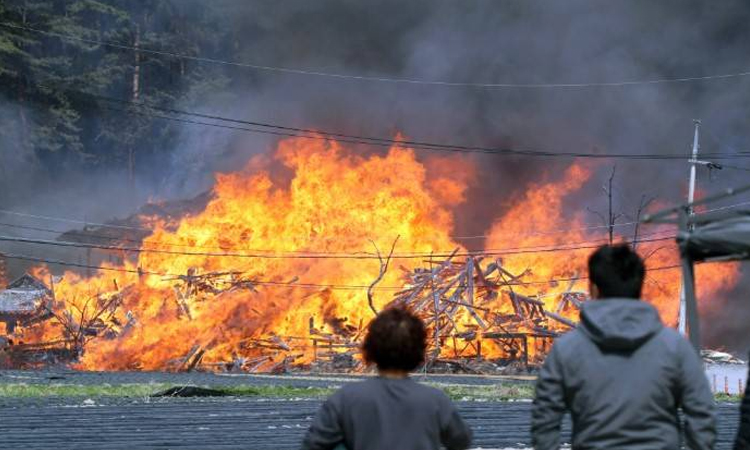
(466,307)
(268,273)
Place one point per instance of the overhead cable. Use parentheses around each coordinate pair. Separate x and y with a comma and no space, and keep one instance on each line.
(380,79)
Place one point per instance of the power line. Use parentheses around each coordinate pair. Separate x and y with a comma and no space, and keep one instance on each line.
(291,285)
(286,131)
(167,275)
(306,133)
(550,232)
(722,143)
(89,235)
(137,241)
(744,169)
(77,222)
(322,255)
(410,81)
(386,142)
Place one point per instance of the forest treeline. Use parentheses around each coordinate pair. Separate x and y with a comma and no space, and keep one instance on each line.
(53,89)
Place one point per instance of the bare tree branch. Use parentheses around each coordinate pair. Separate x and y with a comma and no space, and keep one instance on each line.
(383,269)
(612,218)
(653,252)
(598,214)
(642,205)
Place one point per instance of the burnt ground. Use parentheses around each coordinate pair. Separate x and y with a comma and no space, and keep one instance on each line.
(223,422)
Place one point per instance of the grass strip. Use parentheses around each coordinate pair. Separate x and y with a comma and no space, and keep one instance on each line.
(499,392)
(22,390)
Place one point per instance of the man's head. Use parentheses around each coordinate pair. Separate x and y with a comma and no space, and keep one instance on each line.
(616,272)
(396,341)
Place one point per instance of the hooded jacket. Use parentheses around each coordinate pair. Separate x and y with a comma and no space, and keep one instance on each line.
(623,376)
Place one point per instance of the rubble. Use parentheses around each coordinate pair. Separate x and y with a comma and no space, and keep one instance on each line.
(466,307)
(472,310)
(519,325)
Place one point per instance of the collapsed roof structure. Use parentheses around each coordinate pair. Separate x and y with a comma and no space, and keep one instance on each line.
(25,301)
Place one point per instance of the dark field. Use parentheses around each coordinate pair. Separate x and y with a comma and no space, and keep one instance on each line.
(113,422)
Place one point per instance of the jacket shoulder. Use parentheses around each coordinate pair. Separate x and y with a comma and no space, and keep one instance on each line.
(570,341)
(670,334)
(673,340)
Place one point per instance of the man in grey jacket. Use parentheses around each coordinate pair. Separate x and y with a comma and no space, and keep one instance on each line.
(621,374)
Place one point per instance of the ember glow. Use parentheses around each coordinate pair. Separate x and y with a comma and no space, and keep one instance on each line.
(284,229)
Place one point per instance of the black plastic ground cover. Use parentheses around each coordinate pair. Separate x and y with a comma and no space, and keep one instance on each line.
(225,423)
(190,391)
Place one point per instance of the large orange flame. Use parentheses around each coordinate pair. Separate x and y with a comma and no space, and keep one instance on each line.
(283,227)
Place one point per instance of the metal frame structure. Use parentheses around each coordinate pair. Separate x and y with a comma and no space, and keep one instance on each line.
(690,225)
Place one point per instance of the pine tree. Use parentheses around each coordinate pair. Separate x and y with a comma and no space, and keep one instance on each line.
(56,84)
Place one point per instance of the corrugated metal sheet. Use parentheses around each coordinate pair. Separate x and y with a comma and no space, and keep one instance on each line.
(21,302)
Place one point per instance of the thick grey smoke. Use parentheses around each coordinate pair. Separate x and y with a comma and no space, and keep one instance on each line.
(579,41)
(486,42)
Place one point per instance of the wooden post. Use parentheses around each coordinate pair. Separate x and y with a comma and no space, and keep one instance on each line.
(435,322)
(526,352)
(470,280)
(726,385)
(3,272)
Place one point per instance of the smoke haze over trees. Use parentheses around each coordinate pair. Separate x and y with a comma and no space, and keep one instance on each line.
(63,152)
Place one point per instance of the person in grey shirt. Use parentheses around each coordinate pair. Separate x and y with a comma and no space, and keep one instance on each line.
(621,374)
(390,411)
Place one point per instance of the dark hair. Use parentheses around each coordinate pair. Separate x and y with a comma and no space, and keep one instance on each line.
(617,271)
(396,340)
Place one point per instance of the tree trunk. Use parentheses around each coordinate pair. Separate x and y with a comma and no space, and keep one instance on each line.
(136,92)
(137,66)
(26,149)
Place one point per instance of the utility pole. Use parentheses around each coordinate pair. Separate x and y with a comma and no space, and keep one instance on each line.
(681,321)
